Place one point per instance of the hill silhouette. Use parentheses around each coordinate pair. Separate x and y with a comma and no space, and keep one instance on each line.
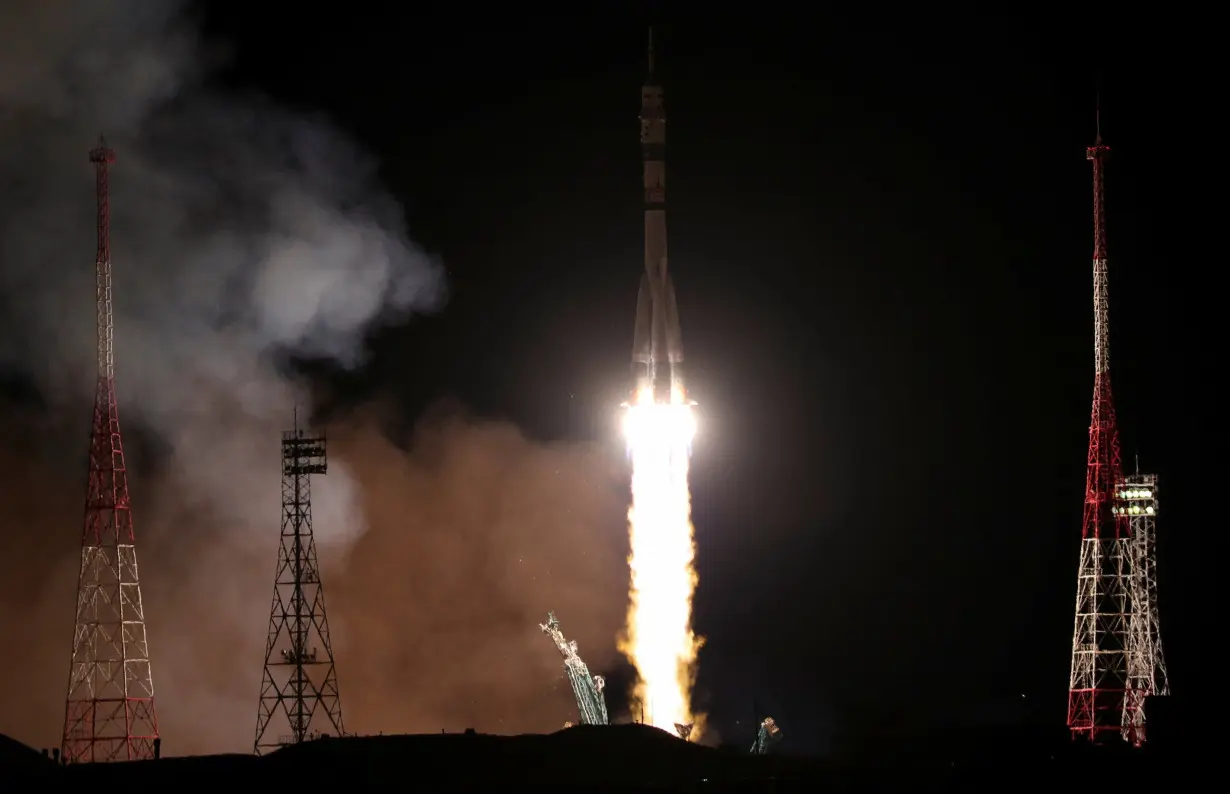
(617,757)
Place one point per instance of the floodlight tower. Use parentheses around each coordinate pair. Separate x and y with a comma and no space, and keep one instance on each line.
(299,694)
(1137,499)
(109,715)
(1098,701)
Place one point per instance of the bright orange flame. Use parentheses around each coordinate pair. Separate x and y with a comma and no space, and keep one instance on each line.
(658,638)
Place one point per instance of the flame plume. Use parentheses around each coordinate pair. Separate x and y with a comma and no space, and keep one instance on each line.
(658,638)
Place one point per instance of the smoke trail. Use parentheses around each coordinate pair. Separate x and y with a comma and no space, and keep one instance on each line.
(243,233)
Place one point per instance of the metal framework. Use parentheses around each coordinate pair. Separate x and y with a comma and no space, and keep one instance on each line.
(1100,703)
(109,714)
(767,736)
(1137,498)
(299,698)
(587,688)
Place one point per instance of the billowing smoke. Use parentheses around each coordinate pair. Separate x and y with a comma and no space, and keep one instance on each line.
(243,234)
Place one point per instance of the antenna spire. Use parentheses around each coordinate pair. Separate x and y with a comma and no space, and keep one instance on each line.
(1097,111)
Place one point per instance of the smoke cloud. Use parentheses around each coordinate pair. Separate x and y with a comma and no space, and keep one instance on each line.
(241,234)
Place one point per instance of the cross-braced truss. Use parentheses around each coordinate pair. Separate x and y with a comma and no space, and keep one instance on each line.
(1096,698)
(109,714)
(591,703)
(1146,673)
(299,693)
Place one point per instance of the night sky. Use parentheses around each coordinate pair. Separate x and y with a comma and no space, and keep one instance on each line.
(880,241)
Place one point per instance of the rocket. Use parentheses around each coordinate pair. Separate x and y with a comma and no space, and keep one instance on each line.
(657,348)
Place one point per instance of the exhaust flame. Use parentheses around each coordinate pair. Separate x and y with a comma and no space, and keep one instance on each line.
(658,638)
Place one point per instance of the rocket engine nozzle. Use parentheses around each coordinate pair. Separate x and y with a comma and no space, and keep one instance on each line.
(660,385)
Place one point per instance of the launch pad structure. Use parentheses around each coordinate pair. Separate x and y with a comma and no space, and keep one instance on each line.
(767,735)
(591,703)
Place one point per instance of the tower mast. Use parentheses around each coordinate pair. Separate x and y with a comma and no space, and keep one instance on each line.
(299,697)
(1098,702)
(109,715)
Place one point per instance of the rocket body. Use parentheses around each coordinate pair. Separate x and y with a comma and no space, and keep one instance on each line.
(657,351)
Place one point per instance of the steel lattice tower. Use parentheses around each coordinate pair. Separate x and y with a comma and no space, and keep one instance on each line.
(1137,498)
(299,692)
(110,713)
(591,703)
(1098,700)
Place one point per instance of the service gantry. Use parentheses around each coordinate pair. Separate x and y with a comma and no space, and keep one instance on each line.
(587,688)
(767,735)
(109,715)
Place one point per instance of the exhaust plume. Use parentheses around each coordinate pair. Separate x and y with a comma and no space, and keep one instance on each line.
(243,234)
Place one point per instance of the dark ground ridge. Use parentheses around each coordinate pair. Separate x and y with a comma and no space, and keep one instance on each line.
(617,757)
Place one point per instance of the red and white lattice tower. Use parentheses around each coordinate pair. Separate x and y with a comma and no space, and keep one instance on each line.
(110,711)
(1099,704)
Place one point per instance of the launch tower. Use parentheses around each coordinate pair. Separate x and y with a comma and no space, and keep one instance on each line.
(587,688)
(109,714)
(299,694)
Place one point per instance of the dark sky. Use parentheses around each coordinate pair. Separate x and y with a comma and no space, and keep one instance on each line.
(880,238)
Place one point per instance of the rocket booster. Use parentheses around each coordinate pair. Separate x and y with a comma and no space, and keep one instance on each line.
(657,350)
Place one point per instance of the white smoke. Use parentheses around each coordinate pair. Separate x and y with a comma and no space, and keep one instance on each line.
(240,233)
